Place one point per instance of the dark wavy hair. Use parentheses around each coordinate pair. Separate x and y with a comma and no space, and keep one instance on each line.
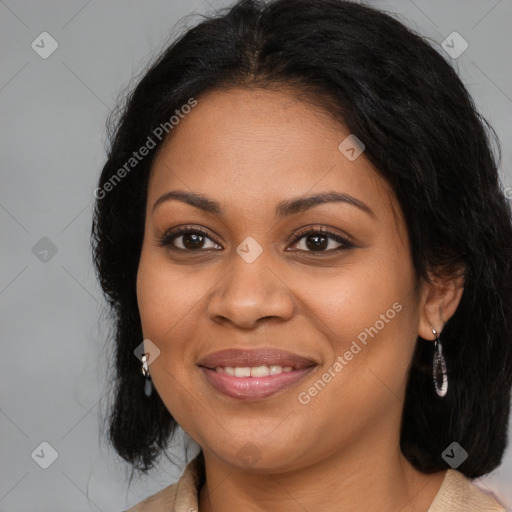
(423,134)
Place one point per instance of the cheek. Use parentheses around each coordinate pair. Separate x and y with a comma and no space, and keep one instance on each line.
(356,296)
(166,297)
(167,300)
(367,313)
(164,309)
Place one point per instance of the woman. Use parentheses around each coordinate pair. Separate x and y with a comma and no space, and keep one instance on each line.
(303,236)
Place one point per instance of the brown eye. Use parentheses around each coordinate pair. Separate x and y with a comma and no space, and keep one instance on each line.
(321,239)
(191,240)
(187,239)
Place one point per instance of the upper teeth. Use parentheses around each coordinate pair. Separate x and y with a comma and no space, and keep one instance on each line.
(254,371)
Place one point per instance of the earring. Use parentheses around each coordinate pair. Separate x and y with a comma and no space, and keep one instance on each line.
(439,367)
(148,386)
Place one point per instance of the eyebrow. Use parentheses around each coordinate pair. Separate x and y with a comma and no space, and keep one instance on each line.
(283,209)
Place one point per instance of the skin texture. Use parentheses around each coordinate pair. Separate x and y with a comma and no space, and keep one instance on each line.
(249,149)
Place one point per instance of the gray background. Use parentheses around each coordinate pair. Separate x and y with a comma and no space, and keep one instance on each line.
(52,135)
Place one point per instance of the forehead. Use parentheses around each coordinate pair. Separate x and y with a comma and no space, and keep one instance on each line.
(256,146)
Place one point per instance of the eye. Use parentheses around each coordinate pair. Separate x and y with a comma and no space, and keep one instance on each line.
(318,240)
(187,239)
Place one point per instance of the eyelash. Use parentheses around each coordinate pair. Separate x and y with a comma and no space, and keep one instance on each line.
(167,239)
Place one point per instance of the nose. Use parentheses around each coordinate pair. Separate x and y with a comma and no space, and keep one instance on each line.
(249,293)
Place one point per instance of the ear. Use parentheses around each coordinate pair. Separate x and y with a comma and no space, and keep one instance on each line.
(438,302)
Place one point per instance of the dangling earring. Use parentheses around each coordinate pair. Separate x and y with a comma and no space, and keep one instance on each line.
(439,367)
(148,386)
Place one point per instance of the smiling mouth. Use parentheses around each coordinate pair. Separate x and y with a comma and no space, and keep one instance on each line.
(256,373)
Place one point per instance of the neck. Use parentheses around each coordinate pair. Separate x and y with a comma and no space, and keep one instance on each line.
(363,478)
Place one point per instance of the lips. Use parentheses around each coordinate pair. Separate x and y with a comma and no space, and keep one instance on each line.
(265,356)
(254,374)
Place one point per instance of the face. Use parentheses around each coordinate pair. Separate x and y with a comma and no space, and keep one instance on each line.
(257,273)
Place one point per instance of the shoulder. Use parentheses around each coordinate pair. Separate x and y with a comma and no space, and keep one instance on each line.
(180,495)
(162,500)
(459,494)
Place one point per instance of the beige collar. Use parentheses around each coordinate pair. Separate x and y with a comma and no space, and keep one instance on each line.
(456,494)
